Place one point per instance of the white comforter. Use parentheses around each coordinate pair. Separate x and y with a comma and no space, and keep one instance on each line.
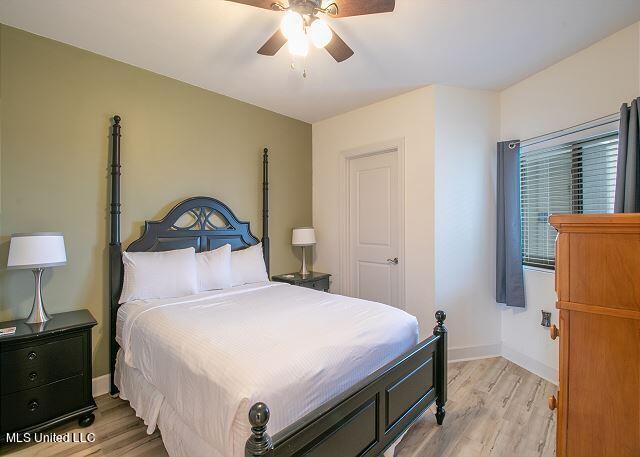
(213,355)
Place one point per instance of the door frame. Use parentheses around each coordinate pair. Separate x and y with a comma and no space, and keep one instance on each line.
(382,147)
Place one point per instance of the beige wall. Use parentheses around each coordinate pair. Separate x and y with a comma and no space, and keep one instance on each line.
(449,204)
(467,123)
(589,84)
(408,117)
(178,141)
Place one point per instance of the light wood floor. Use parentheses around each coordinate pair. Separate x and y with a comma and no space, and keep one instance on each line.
(494,408)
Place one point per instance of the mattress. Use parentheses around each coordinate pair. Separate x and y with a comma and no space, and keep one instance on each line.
(210,356)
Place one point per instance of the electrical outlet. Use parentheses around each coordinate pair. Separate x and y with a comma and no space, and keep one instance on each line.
(546,319)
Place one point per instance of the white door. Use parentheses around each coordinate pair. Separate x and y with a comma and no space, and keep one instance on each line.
(374,228)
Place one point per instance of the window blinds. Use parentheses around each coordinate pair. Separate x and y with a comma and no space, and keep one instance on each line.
(574,177)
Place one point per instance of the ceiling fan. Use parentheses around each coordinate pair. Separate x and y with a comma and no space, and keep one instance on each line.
(302,22)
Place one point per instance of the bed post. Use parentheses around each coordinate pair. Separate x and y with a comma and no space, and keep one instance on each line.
(115,253)
(441,366)
(259,443)
(265,207)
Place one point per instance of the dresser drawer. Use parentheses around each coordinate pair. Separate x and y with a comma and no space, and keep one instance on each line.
(32,406)
(40,364)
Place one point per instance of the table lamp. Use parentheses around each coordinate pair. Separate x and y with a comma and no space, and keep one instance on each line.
(304,236)
(36,251)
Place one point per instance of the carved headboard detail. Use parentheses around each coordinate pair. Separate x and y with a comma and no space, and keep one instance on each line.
(203,223)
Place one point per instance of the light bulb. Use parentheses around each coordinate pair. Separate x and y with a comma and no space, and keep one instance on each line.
(320,33)
(292,24)
(299,45)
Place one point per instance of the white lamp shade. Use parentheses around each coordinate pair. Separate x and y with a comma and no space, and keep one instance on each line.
(36,250)
(305,236)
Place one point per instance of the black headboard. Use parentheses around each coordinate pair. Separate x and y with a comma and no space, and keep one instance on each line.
(203,223)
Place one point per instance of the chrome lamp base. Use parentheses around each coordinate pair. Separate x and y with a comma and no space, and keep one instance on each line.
(303,271)
(38,313)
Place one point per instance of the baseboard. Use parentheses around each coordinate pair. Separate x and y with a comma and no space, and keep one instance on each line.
(100,385)
(532,365)
(462,354)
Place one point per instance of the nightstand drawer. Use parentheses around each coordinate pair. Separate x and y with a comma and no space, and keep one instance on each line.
(320,284)
(32,406)
(40,364)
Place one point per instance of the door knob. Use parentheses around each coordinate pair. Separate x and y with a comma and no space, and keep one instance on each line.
(554,332)
(553,402)
(393,261)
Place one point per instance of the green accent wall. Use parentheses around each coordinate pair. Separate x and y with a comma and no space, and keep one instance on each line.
(178,141)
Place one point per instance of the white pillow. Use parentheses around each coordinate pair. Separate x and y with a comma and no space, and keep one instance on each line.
(159,274)
(214,268)
(247,266)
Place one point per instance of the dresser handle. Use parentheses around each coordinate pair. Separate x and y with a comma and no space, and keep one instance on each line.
(33,376)
(33,405)
(553,403)
(32,355)
(554,332)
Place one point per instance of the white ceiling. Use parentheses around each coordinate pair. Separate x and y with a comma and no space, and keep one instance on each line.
(487,44)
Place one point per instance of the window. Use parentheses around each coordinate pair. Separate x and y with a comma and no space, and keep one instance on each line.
(576,177)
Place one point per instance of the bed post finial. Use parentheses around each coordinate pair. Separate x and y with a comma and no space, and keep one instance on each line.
(265,207)
(259,443)
(115,181)
(441,365)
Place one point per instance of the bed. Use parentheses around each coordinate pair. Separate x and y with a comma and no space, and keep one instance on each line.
(340,376)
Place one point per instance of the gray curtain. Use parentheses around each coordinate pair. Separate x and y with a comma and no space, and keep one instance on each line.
(628,173)
(509,275)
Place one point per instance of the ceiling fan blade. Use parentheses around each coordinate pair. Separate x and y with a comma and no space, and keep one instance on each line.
(338,49)
(273,44)
(348,8)
(266,4)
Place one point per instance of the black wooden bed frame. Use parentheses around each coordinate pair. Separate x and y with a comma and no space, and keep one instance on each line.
(363,421)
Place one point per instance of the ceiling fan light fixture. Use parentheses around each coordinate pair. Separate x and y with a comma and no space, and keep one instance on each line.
(320,33)
(299,45)
(292,24)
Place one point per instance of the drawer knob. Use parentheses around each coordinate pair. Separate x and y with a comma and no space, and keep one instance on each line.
(33,405)
(33,376)
(554,332)
(32,355)
(553,403)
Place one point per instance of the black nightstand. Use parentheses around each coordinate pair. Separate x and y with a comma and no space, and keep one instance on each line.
(314,280)
(45,373)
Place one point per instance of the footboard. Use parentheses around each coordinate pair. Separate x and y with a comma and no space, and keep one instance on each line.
(370,416)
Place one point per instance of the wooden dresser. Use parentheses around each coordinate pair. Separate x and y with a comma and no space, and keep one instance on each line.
(598,288)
